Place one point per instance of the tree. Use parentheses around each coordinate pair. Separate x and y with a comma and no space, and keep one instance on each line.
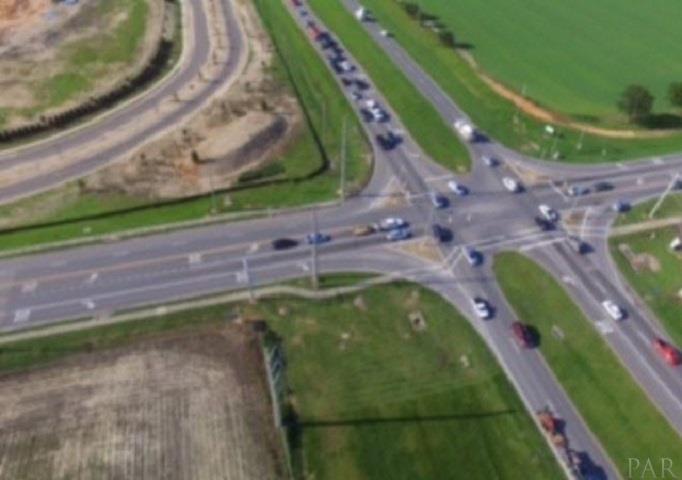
(412,9)
(675,94)
(636,101)
(447,38)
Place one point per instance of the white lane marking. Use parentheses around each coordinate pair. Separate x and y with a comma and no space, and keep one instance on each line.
(304,266)
(567,279)
(532,246)
(92,278)
(121,253)
(559,191)
(604,327)
(194,258)
(29,287)
(640,180)
(58,263)
(241,277)
(254,247)
(657,161)
(22,315)
(88,303)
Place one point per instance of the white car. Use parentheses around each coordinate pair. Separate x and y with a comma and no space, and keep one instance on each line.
(457,188)
(548,213)
(511,184)
(481,308)
(490,161)
(613,310)
(392,223)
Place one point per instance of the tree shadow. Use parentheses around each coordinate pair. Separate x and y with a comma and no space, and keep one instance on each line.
(662,121)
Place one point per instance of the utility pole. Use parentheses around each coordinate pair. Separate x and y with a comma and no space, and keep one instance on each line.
(342,180)
(671,185)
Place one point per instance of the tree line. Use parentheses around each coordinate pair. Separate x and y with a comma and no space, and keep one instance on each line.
(636,101)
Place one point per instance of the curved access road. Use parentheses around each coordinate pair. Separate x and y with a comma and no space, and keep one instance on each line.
(185,87)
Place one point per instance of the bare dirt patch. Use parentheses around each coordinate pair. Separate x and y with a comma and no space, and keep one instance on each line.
(246,128)
(640,261)
(38,39)
(174,407)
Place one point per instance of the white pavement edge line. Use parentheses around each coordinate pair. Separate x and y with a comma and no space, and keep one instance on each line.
(163,228)
(265,292)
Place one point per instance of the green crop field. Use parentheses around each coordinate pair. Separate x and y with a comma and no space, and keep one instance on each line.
(589,371)
(574,57)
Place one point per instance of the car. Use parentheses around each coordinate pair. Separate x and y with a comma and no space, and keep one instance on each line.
(577,191)
(458,188)
(391,223)
(620,206)
(511,184)
(473,256)
(481,308)
(357,96)
(490,161)
(603,186)
(385,33)
(347,81)
(440,233)
(613,310)
(544,224)
(366,115)
(362,84)
(438,200)
(548,213)
(364,230)
(667,352)
(317,238)
(389,140)
(398,234)
(284,243)
(578,245)
(523,335)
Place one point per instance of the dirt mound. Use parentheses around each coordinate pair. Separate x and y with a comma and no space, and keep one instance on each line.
(640,261)
(17,11)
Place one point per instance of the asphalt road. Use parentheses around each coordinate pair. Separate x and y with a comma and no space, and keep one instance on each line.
(100,279)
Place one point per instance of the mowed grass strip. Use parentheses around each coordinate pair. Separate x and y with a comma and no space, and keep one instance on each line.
(377,399)
(309,170)
(615,408)
(657,278)
(493,114)
(421,119)
(669,208)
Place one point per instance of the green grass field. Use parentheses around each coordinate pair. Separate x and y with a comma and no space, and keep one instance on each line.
(309,170)
(589,371)
(659,289)
(574,57)
(387,402)
(491,113)
(421,119)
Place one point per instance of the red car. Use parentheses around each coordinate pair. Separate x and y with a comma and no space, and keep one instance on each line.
(667,352)
(523,335)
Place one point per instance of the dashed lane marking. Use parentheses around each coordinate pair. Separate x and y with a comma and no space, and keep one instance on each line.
(22,315)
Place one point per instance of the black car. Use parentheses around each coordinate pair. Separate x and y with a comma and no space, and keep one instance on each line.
(361,84)
(544,224)
(284,243)
(388,141)
(603,187)
(441,233)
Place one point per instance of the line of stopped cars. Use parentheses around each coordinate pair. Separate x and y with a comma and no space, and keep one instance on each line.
(396,229)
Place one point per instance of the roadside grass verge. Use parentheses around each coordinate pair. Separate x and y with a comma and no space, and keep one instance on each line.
(375,398)
(659,284)
(495,115)
(615,408)
(429,130)
(309,173)
(671,207)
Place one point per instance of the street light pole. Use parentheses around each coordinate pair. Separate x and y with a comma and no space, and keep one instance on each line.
(247,278)
(663,196)
(342,180)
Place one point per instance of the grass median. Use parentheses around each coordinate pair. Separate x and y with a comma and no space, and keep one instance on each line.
(436,138)
(377,396)
(655,273)
(495,115)
(589,371)
(308,171)
(669,208)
